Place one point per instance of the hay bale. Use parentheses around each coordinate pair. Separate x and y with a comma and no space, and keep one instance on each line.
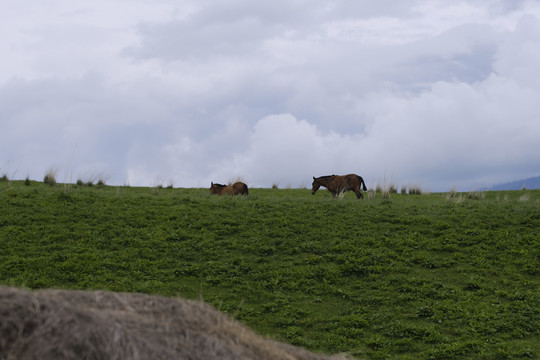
(67,324)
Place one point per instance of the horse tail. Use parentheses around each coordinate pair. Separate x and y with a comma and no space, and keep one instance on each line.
(362,183)
(246,191)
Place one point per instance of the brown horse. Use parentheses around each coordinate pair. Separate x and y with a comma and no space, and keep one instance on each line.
(338,184)
(238,188)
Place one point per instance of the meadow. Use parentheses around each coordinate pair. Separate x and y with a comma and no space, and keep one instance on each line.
(437,276)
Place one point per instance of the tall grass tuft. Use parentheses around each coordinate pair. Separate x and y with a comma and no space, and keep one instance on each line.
(385,190)
(451,194)
(156,189)
(476,195)
(101,180)
(50,177)
(236,179)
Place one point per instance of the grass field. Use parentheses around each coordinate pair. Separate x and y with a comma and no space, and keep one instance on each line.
(408,277)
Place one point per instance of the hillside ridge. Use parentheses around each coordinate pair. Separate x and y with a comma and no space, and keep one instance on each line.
(529,184)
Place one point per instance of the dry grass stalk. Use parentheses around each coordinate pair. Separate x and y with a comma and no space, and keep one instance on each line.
(451,194)
(63,324)
(476,195)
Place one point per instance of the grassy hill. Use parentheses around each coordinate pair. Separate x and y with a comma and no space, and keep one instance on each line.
(437,276)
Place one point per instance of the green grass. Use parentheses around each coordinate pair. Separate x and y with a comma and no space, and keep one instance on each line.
(409,277)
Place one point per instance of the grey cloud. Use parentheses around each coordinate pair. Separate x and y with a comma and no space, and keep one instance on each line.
(182,40)
(464,53)
(236,28)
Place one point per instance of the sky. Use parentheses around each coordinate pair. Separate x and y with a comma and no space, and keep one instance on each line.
(441,94)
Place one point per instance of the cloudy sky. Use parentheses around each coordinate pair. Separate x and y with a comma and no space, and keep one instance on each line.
(442,93)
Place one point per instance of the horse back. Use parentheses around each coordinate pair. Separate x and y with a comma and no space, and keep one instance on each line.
(238,188)
(342,181)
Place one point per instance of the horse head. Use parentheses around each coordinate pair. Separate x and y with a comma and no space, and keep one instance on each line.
(215,188)
(315,186)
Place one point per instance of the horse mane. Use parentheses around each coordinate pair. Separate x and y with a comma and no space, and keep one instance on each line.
(220,185)
(326,176)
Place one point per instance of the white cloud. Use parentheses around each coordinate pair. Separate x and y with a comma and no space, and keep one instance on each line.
(286,151)
(519,53)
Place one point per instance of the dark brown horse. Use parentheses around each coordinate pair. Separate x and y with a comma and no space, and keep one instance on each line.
(338,184)
(238,188)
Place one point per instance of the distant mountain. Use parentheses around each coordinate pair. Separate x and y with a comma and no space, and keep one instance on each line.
(530,183)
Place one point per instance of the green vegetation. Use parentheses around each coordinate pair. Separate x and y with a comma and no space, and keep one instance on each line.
(438,276)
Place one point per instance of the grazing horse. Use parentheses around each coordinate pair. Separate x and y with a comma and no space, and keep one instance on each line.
(337,184)
(238,188)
